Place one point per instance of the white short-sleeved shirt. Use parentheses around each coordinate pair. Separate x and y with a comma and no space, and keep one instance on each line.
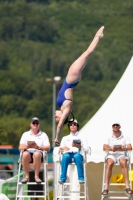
(67,141)
(122,140)
(41,139)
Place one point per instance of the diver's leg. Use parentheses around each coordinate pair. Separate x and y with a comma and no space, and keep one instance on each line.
(75,70)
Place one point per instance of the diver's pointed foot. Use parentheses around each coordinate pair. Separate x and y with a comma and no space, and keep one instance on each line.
(100,32)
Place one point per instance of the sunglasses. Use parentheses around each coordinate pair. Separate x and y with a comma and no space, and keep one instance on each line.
(73,123)
(115,125)
(35,123)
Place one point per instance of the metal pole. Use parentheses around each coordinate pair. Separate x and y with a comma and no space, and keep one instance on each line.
(54,109)
(53,124)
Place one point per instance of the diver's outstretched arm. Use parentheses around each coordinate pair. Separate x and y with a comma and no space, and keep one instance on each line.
(64,116)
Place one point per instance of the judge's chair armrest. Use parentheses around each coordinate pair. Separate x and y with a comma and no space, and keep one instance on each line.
(60,154)
(86,152)
(56,154)
(45,156)
(128,153)
(106,152)
(20,157)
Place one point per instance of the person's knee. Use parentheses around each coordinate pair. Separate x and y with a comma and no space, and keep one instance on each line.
(37,155)
(123,162)
(110,163)
(26,158)
(26,155)
(66,156)
(78,157)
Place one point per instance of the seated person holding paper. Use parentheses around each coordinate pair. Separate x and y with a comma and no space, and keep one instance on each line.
(70,146)
(117,145)
(33,143)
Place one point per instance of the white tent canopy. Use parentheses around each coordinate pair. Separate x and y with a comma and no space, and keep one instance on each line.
(118,107)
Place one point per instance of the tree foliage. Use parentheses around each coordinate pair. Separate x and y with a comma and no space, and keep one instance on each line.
(40,39)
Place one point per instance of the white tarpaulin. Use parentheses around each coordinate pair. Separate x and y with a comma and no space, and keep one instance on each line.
(118,107)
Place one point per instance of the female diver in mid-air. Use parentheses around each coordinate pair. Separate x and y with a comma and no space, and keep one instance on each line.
(65,95)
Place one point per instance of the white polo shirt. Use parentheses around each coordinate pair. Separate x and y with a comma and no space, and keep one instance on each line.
(68,140)
(41,139)
(121,140)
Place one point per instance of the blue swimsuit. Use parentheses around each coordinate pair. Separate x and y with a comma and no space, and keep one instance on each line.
(61,97)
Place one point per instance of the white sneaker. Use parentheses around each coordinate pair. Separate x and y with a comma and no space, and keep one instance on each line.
(60,182)
(81,182)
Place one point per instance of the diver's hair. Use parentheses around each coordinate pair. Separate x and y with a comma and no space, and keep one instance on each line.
(68,121)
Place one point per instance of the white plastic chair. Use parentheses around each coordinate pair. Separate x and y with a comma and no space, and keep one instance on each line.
(71,189)
(116,194)
(23,189)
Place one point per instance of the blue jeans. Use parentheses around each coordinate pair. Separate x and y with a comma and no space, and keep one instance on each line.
(66,160)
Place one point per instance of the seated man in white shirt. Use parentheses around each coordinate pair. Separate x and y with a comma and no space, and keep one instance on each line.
(71,145)
(33,143)
(117,145)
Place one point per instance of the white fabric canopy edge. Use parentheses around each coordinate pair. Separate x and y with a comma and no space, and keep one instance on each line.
(117,107)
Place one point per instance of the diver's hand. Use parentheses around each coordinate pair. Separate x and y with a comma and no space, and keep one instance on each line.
(57,143)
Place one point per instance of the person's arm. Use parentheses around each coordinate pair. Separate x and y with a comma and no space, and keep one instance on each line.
(64,115)
(64,148)
(63,145)
(128,144)
(45,143)
(23,147)
(44,148)
(106,147)
(78,145)
(26,146)
(23,144)
(127,147)
(122,148)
